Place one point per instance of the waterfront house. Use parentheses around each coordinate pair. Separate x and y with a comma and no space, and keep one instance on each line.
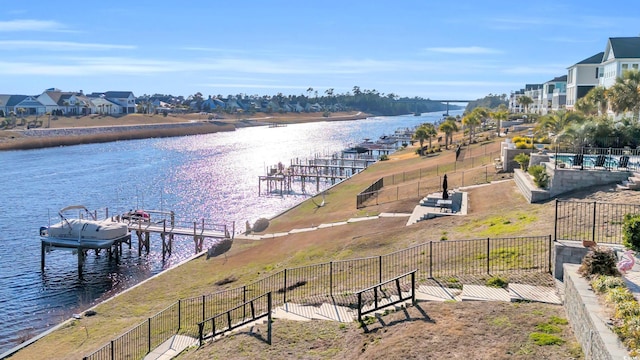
(106,106)
(20,105)
(582,77)
(124,99)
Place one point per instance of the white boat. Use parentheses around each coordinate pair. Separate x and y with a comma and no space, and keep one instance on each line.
(84,231)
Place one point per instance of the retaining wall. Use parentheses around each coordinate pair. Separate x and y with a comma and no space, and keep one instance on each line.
(588,318)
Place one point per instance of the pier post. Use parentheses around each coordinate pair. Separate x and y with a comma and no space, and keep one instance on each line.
(80,261)
(42,255)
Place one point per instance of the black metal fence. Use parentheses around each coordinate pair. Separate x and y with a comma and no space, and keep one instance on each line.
(247,312)
(381,295)
(610,158)
(338,281)
(421,188)
(477,169)
(591,221)
(368,192)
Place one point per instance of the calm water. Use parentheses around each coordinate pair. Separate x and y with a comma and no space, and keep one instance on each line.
(212,176)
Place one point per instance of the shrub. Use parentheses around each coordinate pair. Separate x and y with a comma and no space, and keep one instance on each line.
(497,282)
(600,260)
(540,177)
(543,339)
(261,225)
(523,160)
(631,231)
(384,157)
(601,284)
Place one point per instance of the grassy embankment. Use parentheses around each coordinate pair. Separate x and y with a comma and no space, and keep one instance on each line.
(250,260)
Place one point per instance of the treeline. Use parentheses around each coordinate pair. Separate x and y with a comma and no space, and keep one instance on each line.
(369,101)
(491,101)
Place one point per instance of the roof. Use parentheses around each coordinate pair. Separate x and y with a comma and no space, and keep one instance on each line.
(118,94)
(532,86)
(625,47)
(562,78)
(595,59)
(15,100)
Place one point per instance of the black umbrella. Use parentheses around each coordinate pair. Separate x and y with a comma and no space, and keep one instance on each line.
(445,194)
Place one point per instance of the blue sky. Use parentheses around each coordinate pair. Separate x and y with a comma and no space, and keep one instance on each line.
(432,49)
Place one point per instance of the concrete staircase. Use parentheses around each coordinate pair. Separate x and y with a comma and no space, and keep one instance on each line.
(632,183)
(332,312)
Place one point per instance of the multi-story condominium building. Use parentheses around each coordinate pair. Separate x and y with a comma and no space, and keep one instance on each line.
(582,77)
(554,94)
(620,54)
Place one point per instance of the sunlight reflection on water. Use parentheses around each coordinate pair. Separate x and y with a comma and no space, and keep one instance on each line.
(214,176)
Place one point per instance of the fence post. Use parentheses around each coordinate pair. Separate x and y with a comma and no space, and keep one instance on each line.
(413,288)
(244,301)
(550,257)
(113,351)
(149,335)
(203,299)
(555,224)
(488,252)
(269,305)
(284,288)
(380,269)
(430,259)
(593,234)
(330,278)
(179,314)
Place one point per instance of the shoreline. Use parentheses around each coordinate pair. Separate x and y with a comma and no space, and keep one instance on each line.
(29,139)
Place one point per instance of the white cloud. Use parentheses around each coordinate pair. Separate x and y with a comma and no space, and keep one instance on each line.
(57,45)
(31,25)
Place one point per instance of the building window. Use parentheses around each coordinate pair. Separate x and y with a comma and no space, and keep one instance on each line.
(635,66)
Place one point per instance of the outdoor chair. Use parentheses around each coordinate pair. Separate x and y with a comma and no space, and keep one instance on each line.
(577,161)
(599,162)
(623,162)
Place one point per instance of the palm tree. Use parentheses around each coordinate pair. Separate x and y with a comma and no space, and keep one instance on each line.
(471,120)
(525,101)
(598,96)
(448,127)
(624,95)
(500,115)
(421,135)
(585,106)
(558,121)
(430,130)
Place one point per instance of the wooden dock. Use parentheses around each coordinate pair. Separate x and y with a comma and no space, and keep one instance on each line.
(164,224)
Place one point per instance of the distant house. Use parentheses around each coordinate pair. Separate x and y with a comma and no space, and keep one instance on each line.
(106,107)
(554,94)
(211,104)
(534,91)
(21,104)
(124,99)
(582,77)
(66,103)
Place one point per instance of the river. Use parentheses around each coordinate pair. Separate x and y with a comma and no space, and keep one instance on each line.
(213,176)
